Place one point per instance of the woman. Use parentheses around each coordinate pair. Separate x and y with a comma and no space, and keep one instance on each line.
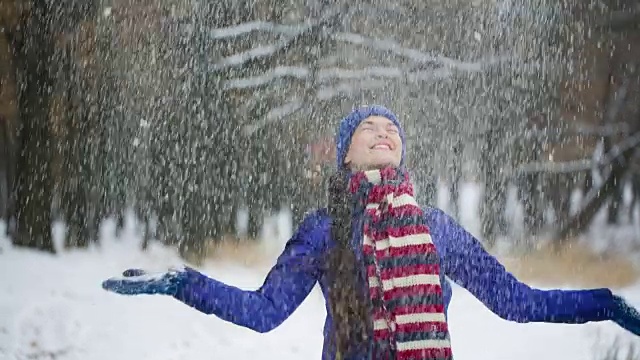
(381,262)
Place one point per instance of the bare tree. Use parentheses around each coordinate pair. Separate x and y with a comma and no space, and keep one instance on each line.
(33,49)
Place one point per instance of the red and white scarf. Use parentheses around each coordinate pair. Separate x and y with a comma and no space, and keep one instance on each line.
(403,269)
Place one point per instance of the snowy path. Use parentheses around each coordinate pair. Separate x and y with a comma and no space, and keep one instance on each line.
(53,308)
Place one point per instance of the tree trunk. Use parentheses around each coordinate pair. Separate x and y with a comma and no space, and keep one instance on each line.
(256,217)
(532,202)
(634,180)
(615,204)
(456,177)
(73,180)
(492,208)
(194,228)
(8,130)
(6,155)
(557,191)
(34,188)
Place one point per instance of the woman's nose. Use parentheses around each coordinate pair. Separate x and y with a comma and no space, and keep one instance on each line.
(382,133)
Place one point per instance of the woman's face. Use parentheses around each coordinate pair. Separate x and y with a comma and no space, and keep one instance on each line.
(375,144)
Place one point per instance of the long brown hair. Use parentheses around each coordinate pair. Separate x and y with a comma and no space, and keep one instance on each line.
(348,306)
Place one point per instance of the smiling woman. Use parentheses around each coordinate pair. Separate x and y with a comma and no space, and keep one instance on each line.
(376,143)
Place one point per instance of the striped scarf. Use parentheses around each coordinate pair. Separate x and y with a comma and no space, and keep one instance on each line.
(402,267)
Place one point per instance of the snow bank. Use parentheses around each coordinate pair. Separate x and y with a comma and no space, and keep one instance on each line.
(52,307)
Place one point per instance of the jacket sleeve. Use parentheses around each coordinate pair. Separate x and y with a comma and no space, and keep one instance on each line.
(286,285)
(469,265)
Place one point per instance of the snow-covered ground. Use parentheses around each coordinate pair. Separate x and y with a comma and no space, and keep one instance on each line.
(52,307)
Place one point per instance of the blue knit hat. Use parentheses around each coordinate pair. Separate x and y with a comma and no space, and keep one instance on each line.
(349,124)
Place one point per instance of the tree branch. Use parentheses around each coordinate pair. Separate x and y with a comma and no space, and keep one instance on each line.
(419,56)
(620,20)
(629,143)
(279,72)
(600,131)
(273,115)
(330,74)
(249,27)
(264,57)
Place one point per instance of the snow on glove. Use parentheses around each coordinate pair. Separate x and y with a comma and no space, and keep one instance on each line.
(626,315)
(138,282)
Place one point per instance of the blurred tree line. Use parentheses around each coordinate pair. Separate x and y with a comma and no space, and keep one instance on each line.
(191,111)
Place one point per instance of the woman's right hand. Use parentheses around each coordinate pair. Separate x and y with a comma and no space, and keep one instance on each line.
(139,282)
(626,315)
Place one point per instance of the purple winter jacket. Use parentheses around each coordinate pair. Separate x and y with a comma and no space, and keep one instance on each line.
(462,257)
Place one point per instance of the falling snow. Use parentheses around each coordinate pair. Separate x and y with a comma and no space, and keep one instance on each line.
(198,119)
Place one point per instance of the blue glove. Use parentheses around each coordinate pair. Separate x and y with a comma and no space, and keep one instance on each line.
(626,315)
(138,282)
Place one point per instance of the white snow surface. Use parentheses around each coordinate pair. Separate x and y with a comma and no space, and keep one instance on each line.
(53,307)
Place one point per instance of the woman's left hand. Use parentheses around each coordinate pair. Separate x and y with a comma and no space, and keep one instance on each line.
(138,282)
(626,315)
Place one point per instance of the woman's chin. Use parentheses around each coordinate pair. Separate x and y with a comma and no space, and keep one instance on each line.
(383,164)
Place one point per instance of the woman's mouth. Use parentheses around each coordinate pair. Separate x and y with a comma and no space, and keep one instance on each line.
(382,147)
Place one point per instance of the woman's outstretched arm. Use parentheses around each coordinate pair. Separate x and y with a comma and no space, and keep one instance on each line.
(468,264)
(286,285)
